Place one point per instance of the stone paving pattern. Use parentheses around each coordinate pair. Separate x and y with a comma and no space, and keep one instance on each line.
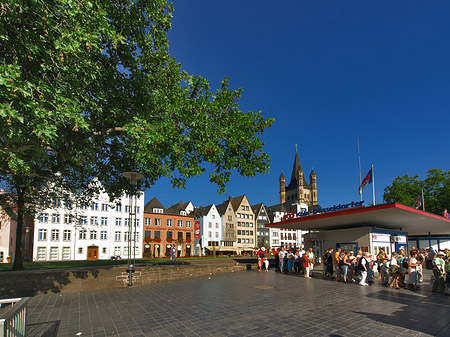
(246,303)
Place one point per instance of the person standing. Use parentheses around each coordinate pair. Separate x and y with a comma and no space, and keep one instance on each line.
(306,265)
(281,256)
(260,254)
(173,252)
(439,272)
(412,271)
(363,267)
(328,261)
(312,259)
(337,268)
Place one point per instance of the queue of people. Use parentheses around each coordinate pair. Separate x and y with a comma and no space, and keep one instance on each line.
(399,270)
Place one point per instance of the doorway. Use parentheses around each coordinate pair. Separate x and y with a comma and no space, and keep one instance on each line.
(92,252)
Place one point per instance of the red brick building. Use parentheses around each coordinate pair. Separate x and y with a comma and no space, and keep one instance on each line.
(164,227)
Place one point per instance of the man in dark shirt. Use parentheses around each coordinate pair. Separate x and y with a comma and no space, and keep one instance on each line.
(328,261)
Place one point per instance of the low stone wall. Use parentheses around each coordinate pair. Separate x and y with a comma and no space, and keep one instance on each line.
(30,283)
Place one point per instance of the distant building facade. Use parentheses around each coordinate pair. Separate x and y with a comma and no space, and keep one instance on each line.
(165,227)
(96,230)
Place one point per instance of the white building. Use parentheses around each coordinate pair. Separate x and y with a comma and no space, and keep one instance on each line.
(211,227)
(92,231)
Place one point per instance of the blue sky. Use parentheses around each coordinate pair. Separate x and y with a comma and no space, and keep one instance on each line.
(328,72)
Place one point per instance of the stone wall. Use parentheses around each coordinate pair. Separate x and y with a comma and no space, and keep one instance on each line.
(30,283)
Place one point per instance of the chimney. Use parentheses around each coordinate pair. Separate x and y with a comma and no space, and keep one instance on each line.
(181,202)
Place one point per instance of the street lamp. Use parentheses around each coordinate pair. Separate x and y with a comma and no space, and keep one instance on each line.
(133,178)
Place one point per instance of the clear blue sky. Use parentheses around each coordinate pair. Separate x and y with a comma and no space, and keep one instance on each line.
(329,72)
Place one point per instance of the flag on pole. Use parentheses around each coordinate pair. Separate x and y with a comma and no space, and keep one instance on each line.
(419,201)
(366,181)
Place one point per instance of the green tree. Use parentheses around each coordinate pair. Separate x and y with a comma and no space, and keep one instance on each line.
(89,89)
(436,190)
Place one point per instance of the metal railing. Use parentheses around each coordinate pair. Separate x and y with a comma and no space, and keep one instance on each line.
(13,318)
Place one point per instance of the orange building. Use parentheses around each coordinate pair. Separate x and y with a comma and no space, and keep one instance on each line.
(164,227)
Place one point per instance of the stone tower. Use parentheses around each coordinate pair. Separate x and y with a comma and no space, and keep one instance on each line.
(298,190)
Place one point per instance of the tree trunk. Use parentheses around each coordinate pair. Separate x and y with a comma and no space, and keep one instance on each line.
(18,260)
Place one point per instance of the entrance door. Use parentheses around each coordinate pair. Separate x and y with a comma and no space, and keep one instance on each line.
(92,253)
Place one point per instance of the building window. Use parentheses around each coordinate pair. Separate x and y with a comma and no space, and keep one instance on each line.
(136,236)
(118,221)
(82,234)
(209,224)
(169,222)
(180,223)
(126,236)
(157,222)
(56,203)
(148,221)
(104,207)
(104,250)
(68,204)
(136,222)
(180,235)
(103,235)
(127,222)
(53,253)
(183,213)
(137,209)
(94,206)
(104,220)
(217,225)
(55,218)
(169,235)
(239,240)
(80,250)
(66,253)
(67,233)
(42,253)
(67,218)
(119,208)
(93,235)
(157,210)
(239,232)
(209,234)
(217,235)
(117,251)
(127,209)
(83,220)
(84,206)
(55,235)
(43,218)
(188,223)
(157,234)
(94,220)
(188,236)
(147,234)
(42,235)
(117,236)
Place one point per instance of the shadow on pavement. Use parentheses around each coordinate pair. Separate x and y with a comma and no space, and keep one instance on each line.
(46,329)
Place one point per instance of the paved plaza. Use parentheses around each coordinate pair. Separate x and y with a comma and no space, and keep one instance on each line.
(246,303)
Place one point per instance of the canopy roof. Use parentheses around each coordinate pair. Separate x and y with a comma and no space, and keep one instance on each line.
(393,216)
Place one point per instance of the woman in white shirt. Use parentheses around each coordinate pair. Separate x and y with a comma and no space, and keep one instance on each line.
(412,271)
(393,271)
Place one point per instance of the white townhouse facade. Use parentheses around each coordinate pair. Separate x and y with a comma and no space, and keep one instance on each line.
(210,227)
(98,230)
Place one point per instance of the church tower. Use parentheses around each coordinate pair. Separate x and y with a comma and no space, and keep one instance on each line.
(298,191)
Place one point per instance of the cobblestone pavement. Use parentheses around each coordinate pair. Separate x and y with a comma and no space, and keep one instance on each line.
(245,303)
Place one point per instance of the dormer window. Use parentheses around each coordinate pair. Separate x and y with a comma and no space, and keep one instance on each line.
(158,210)
(182,212)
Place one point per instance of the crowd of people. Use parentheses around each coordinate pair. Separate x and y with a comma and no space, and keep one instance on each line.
(399,270)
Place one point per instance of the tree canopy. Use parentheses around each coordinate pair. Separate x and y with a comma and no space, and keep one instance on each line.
(89,89)
(436,190)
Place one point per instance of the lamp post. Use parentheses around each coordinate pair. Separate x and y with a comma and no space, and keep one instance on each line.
(133,178)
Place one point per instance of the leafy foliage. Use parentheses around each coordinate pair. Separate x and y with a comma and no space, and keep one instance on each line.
(89,89)
(436,189)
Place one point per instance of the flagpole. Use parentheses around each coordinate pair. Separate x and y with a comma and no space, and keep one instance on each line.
(373,187)
(359,159)
(423,202)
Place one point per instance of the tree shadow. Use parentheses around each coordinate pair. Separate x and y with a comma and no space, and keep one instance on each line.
(422,311)
(45,329)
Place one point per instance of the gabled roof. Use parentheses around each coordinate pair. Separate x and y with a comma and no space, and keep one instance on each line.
(235,202)
(154,203)
(177,208)
(202,211)
(257,208)
(222,208)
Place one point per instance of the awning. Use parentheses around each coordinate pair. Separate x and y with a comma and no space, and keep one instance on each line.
(222,248)
(392,216)
(248,249)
